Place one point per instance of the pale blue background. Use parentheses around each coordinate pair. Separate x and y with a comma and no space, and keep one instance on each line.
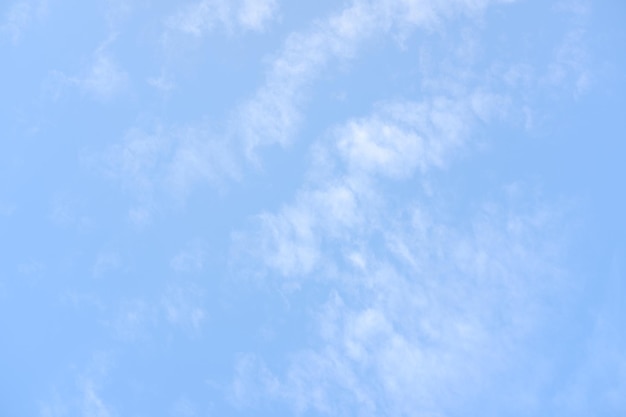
(171,244)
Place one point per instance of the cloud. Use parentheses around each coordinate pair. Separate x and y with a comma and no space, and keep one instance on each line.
(106,262)
(65,212)
(398,140)
(136,161)
(182,306)
(203,16)
(20,15)
(425,320)
(167,163)
(7,209)
(104,79)
(93,405)
(85,398)
(183,407)
(199,156)
(178,305)
(132,319)
(597,382)
(272,115)
(252,381)
(190,259)
(254,14)
(118,11)
(423,313)
(570,67)
(163,83)
(140,216)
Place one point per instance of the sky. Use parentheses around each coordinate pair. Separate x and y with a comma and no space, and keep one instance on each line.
(330,208)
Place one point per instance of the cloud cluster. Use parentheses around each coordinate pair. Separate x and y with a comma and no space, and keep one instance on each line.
(422,313)
(400,139)
(273,113)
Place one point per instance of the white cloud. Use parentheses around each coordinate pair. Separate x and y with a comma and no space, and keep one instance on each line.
(273,113)
(190,259)
(254,14)
(135,161)
(162,83)
(140,216)
(54,407)
(132,319)
(118,10)
(182,306)
(198,17)
(65,211)
(424,313)
(253,380)
(597,383)
(177,306)
(93,405)
(405,136)
(7,209)
(30,268)
(20,15)
(168,163)
(199,156)
(395,142)
(570,68)
(86,399)
(432,318)
(104,79)
(106,261)
(203,16)
(183,407)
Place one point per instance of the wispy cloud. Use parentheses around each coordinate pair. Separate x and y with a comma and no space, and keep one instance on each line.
(189,259)
(178,305)
(7,209)
(570,66)
(66,211)
(20,15)
(168,163)
(105,263)
(597,384)
(424,312)
(183,308)
(93,405)
(274,112)
(132,319)
(203,16)
(163,83)
(395,142)
(87,398)
(425,320)
(103,78)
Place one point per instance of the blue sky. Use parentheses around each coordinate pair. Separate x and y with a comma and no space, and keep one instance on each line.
(269,207)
